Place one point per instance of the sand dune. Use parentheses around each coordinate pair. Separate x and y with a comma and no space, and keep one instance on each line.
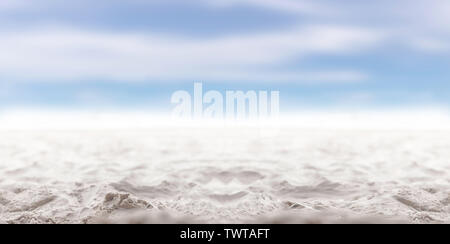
(216,175)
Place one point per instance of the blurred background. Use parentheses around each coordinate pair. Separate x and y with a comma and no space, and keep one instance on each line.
(133,54)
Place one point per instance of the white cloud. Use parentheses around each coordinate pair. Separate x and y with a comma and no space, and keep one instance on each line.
(67,53)
(430,45)
(12,5)
(9,4)
(414,23)
(311,77)
(293,6)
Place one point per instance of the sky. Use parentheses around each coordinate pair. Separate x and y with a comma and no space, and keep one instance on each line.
(135,53)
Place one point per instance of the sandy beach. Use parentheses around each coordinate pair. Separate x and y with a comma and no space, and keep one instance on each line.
(217,175)
(224,112)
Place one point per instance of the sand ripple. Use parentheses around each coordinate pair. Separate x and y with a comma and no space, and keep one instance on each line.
(224,176)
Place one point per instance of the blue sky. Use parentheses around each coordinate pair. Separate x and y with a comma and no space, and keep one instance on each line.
(135,53)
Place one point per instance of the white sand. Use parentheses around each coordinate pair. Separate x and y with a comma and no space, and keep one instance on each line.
(224,176)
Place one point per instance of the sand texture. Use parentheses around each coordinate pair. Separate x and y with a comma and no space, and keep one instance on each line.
(219,175)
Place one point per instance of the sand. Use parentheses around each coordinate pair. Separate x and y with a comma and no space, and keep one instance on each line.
(224,175)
